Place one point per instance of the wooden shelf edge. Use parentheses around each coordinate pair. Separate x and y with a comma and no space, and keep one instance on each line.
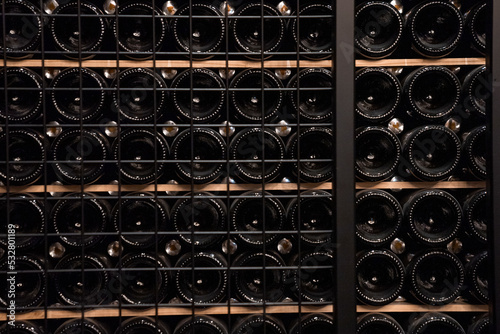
(420,185)
(93,63)
(401,307)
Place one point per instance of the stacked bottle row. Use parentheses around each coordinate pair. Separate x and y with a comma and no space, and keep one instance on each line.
(141,29)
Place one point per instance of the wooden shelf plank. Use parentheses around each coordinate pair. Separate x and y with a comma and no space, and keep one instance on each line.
(408,307)
(421,185)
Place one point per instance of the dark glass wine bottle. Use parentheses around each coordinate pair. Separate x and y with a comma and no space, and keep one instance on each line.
(378,217)
(143,278)
(431,152)
(378,94)
(435,277)
(201,324)
(474,150)
(435,27)
(476,209)
(313,35)
(476,26)
(314,161)
(475,92)
(199,155)
(257,212)
(258,154)
(142,96)
(78,28)
(73,104)
(140,28)
(255,95)
(78,215)
(257,323)
(140,216)
(27,215)
(22,162)
(312,102)
(433,217)
(257,286)
(82,279)
(200,37)
(476,273)
(378,152)
(196,96)
(23,28)
(29,284)
(480,325)
(313,323)
(81,325)
(309,282)
(21,327)
(143,325)
(141,155)
(24,95)
(247,34)
(316,214)
(431,93)
(79,155)
(197,216)
(371,323)
(378,29)
(434,322)
(199,285)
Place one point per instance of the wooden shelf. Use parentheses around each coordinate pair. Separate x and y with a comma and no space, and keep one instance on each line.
(238,63)
(408,307)
(238,187)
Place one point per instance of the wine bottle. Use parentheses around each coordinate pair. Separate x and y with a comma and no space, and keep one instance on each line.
(258,154)
(26,214)
(22,161)
(199,37)
(431,152)
(378,152)
(144,325)
(311,214)
(199,95)
(309,282)
(313,156)
(476,215)
(378,217)
(312,102)
(256,95)
(435,277)
(257,323)
(378,323)
(79,155)
(78,215)
(29,282)
(312,324)
(476,273)
(201,324)
(81,325)
(431,93)
(23,29)
(198,285)
(82,279)
(258,286)
(142,96)
(433,217)
(197,216)
(21,327)
(24,95)
(434,322)
(247,35)
(140,216)
(480,325)
(78,28)
(199,155)
(474,150)
(476,26)
(435,28)
(378,29)
(313,35)
(140,28)
(143,278)
(378,94)
(78,94)
(475,92)
(141,155)
(257,216)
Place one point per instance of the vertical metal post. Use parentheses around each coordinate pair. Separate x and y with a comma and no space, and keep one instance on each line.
(344,159)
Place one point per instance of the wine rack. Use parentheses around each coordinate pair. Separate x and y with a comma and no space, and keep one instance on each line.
(341,188)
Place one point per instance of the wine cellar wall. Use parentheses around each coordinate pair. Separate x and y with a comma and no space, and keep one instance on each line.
(264,166)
